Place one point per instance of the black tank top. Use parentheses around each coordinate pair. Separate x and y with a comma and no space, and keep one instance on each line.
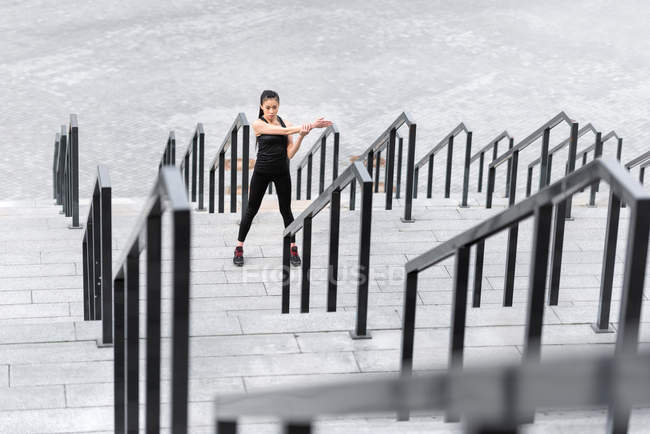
(272,152)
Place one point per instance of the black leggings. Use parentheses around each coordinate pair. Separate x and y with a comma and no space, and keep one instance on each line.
(259,184)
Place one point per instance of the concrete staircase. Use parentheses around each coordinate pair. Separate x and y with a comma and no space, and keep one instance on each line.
(53,378)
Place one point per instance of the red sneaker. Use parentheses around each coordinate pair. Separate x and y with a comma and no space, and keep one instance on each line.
(294,258)
(238,259)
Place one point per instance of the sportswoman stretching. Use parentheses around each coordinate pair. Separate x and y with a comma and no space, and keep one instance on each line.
(275,148)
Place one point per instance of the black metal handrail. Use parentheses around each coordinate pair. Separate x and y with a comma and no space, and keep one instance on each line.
(195,149)
(66,171)
(512,154)
(387,140)
(512,157)
(319,144)
(582,154)
(596,147)
(332,196)
(495,399)
(480,155)
(622,186)
(642,171)
(638,160)
(97,257)
(60,142)
(581,132)
(219,162)
(447,142)
(169,154)
(168,193)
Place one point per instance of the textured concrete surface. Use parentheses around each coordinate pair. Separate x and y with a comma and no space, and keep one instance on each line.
(54,379)
(132,72)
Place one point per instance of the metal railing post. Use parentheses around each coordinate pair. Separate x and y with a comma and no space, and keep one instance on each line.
(194,152)
(410,163)
(154,258)
(55,162)
(306,265)
(511,144)
(598,152)
(609,262)
(201,135)
(478,273)
(631,298)
(106,225)
(416,177)
(490,187)
(335,156)
(245,161)
(513,235)
(185,168)
(132,340)
(378,157)
(298,182)
(353,192)
(543,164)
(233,171)
(85,262)
(573,147)
(90,278)
(61,168)
(450,155)
(398,186)
(529,181)
(321,179)
(181,234)
(408,329)
(73,134)
(119,372)
(222,180)
(537,282)
(96,234)
(211,191)
(286,273)
(310,162)
(333,257)
(556,258)
(390,163)
(430,177)
(458,316)
(468,156)
(481,162)
(361,331)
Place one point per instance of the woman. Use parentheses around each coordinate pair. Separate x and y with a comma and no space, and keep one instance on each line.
(275,148)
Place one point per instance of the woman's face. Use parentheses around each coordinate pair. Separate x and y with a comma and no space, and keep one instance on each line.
(270,108)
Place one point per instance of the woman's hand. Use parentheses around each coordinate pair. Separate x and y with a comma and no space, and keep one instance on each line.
(304,129)
(321,123)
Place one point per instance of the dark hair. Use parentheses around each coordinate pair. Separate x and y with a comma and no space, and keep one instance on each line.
(267,94)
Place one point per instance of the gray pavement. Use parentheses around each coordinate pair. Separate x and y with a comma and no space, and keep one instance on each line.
(54,379)
(132,72)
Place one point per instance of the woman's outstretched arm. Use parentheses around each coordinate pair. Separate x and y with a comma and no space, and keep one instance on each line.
(292,147)
(262,127)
